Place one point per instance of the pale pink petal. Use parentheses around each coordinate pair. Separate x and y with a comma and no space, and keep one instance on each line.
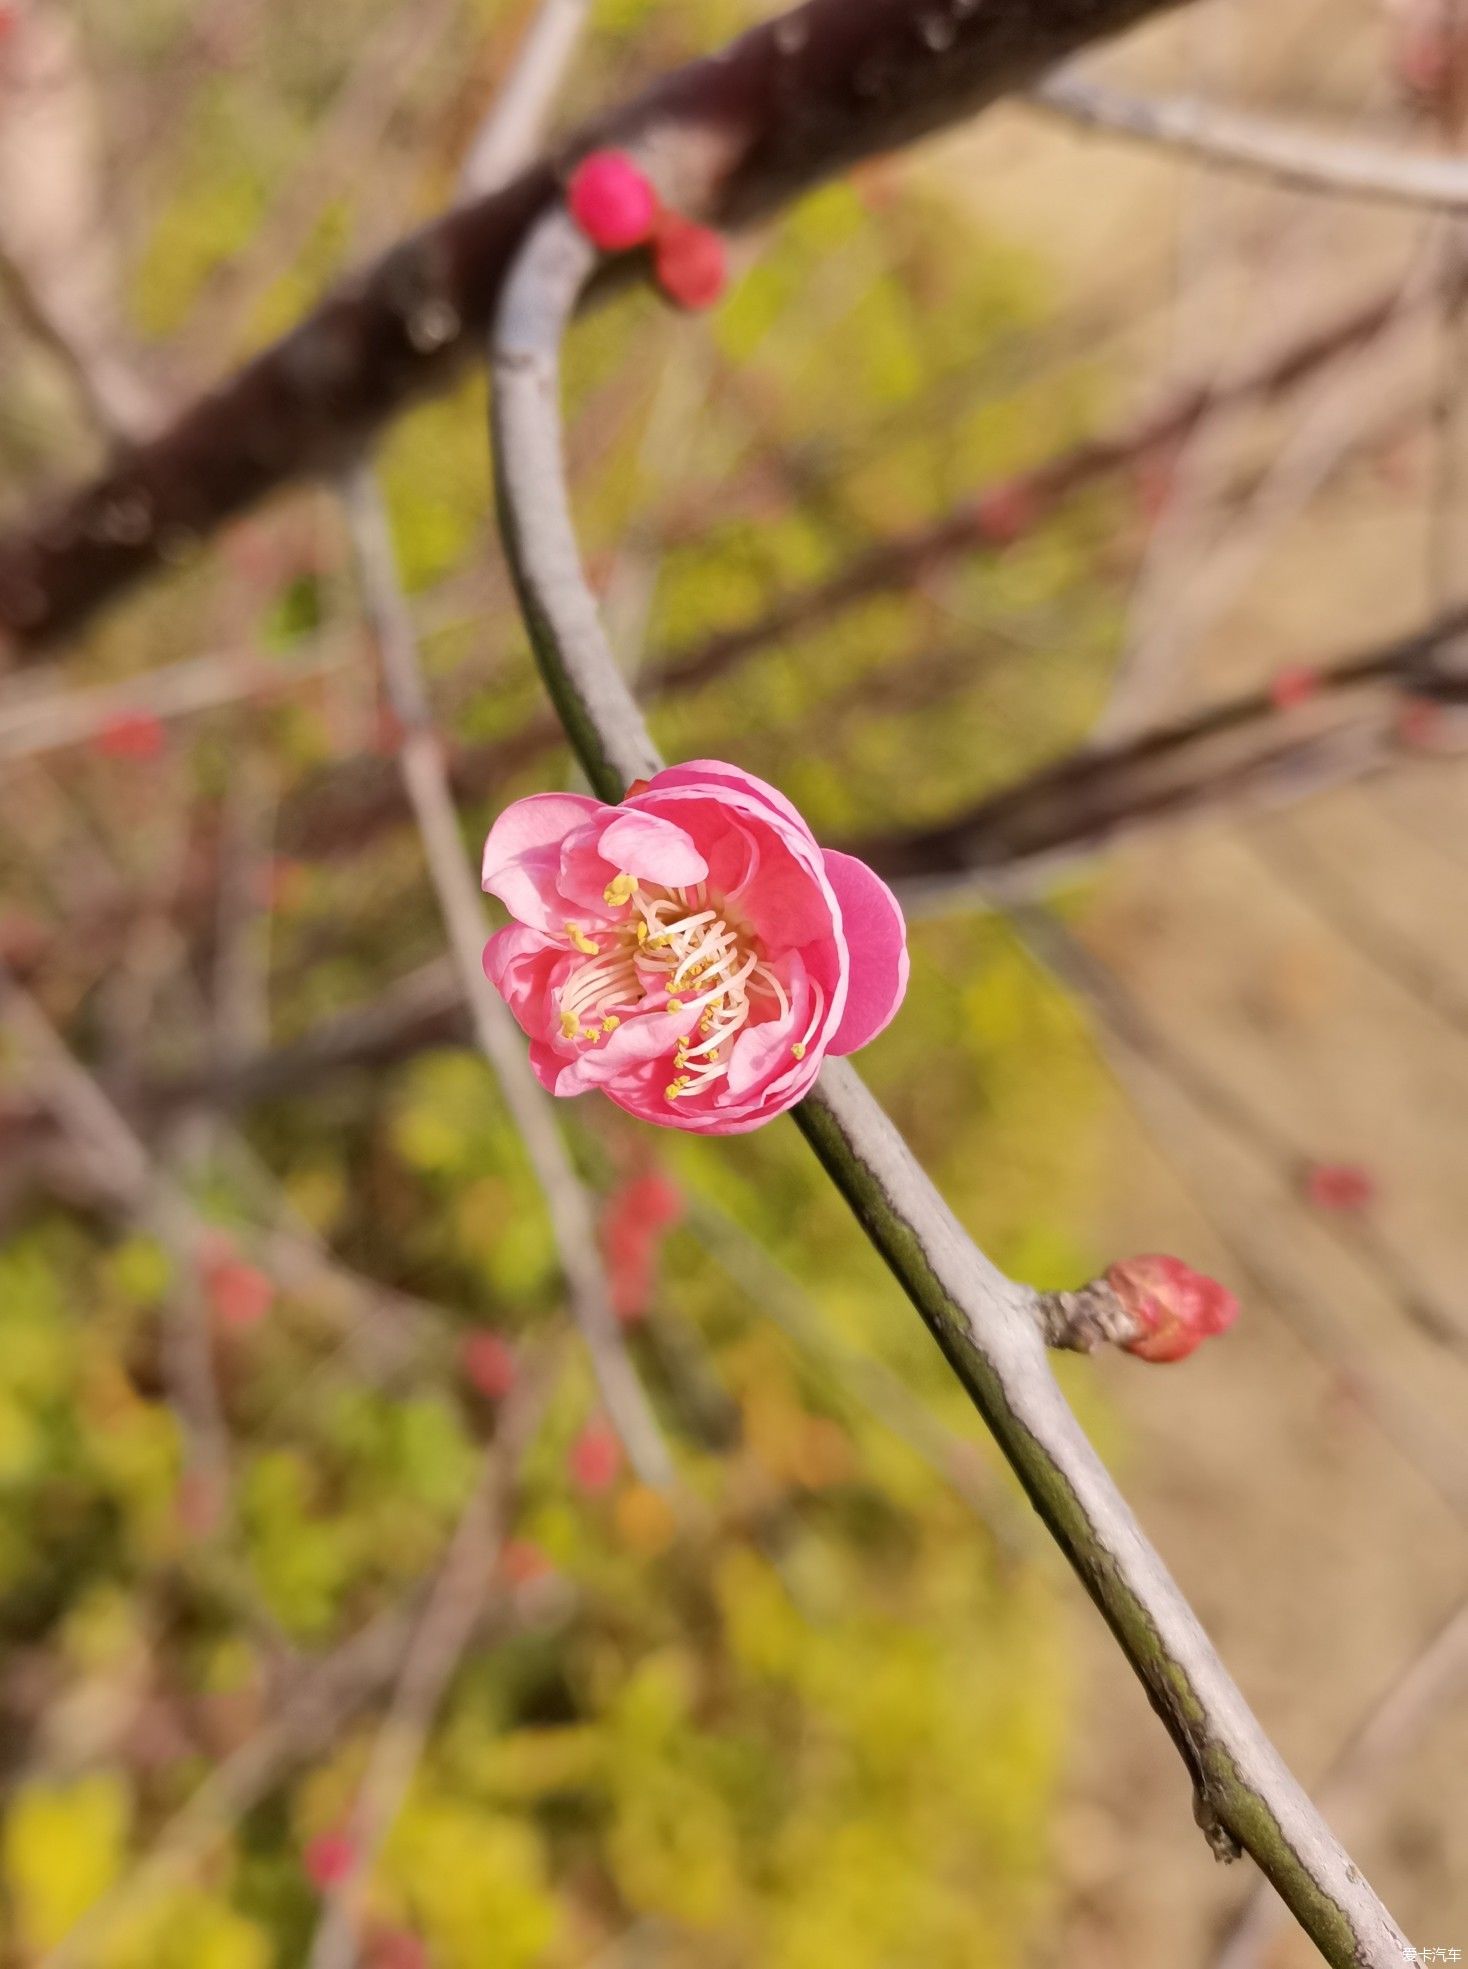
(876,937)
(762,1051)
(790,903)
(527,968)
(645,1036)
(719,774)
(654,850)
(734,861)
(585,873)
(522,857)
(547,1065)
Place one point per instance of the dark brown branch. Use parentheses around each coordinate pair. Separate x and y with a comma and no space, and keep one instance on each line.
(1244,751)
(792,102)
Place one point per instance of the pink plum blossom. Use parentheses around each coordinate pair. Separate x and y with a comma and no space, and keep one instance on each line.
(691,952)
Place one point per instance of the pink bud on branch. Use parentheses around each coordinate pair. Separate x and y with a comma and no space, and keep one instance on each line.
(1174,1307)
(611,201)
(1339,1186)
(595,1461)
(329,1860)
(1154,1306)
(691,264)
(489,1365)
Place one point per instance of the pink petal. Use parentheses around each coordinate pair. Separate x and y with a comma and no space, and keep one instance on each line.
(643,1037)
(761,1051)
(716,774)
(522,857)
(523,966)
(789,902)
(654,850)
(876,937)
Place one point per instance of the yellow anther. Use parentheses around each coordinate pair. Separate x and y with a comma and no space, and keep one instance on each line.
(610,1022)
(798,1049)
(642,931)
(570,1024)
(675,1004)
(582,942)
(675,1087)
(619,890)
(591,1033)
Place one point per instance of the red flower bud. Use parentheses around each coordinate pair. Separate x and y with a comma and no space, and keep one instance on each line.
(395,1948)
(655,1198)
(329,1859)
(133,735)
(596,1459)
(612,201)
(691,264)
(1175,1307)
(240,1295)
(1339,1185)
(489,1365)
(1295,684)
(1005,513)
(522,1562)
(1419,722)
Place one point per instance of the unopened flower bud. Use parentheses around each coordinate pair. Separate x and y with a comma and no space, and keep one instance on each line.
(611,201)
(1174,1307)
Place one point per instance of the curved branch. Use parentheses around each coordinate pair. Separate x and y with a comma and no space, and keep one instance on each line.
(984,1322)
(793,101)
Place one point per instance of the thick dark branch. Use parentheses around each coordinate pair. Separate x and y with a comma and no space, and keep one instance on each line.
(797,99)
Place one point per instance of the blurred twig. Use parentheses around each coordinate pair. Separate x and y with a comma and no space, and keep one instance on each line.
(1433,1677)
(1248,751)
(424,776)
(780,1296)
(1306,160)
(514,120)
(454,1608)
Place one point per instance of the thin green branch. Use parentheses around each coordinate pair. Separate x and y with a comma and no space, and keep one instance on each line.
(986,1324)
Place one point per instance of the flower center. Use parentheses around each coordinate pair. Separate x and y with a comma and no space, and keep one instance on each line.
(685,943)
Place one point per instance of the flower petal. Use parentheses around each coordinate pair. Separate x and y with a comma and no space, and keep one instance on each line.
(718,774)
(876,937)
(522,964)
(654,850)
(648,1036)
(522,857)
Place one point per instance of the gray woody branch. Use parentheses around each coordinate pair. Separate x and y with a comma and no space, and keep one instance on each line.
(989,1326)
(1264,146)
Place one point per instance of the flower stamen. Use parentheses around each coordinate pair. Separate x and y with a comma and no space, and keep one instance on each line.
(688,944)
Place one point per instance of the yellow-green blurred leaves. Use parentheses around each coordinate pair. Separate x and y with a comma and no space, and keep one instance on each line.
(63,1847)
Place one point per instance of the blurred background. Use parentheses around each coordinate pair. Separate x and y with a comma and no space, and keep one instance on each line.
(325,1582)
